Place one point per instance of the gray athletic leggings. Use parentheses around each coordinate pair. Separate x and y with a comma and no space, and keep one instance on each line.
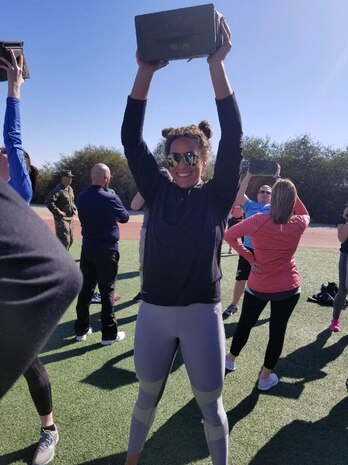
(341,295)
(199,332)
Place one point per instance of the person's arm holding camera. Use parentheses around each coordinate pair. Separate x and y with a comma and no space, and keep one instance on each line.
(18,170)
(241,197)
(277,173)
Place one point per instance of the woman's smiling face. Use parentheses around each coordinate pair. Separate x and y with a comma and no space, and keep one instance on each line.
(186,176)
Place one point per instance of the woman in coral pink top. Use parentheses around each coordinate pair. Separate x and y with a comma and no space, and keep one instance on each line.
(274,276)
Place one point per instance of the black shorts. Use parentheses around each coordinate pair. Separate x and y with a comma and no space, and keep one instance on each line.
(232,221)
(243,268)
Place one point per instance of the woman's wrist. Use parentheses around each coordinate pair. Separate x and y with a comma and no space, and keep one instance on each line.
(14,90)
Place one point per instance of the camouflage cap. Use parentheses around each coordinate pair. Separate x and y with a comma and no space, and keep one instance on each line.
(67,173)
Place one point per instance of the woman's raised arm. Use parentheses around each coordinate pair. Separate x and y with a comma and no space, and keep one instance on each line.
(221,84)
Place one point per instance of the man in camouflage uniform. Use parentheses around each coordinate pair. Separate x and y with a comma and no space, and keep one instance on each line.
(60,201)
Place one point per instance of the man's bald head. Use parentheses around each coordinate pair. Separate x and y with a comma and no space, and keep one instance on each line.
(100,175)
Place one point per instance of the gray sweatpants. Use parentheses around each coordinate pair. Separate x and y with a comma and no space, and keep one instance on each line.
(341,295)
(199,332)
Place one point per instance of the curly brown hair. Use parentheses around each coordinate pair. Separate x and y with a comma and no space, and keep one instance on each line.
(200,134)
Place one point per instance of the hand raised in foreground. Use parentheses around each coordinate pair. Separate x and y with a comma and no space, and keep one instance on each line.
(152,66)
(226,46)
(14,70)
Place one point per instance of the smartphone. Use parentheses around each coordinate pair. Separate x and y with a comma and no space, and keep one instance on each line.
(17,47)
(263,167)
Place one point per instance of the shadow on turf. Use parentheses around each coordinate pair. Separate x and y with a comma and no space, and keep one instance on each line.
(308,362)
(63,335)
(243,409)
(79,349)
(128,275)
(305,364)
(110,376)
(300,442)
(309,443)
(180,440)
(21,455)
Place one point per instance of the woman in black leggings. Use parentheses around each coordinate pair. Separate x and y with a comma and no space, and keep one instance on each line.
(274,276)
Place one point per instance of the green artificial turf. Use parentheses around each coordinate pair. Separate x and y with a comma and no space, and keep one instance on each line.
(301,421)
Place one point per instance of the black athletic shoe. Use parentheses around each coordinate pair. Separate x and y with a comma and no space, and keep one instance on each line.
(137,298)
(96,298)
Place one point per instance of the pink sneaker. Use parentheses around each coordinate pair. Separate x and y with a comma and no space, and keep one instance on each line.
(335,325)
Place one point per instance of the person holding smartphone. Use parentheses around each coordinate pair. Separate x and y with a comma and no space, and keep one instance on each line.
(340,298)
(250,207)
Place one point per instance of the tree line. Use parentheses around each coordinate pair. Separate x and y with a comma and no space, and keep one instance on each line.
(319,172)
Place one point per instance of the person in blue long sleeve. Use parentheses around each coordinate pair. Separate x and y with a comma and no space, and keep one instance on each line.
(15,162)
(15,169)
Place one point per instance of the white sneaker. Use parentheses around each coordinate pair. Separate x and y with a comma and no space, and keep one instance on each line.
(268,383)
(84,336)
(45,451)
(120,336)
(230,364)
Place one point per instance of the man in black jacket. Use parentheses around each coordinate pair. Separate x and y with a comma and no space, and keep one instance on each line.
(99,211)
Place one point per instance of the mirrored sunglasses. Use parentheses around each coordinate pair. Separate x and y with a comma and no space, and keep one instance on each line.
(190,159)
(265,192)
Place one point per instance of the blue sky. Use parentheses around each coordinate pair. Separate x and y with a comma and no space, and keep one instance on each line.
(288,67)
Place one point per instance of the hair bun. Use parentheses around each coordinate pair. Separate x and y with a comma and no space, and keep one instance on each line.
(167,132)
(205,127)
